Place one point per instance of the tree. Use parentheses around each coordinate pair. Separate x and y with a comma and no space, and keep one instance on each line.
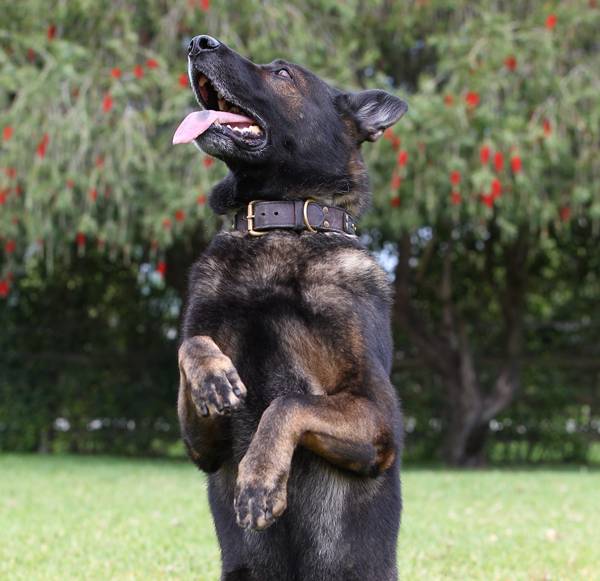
(492,171)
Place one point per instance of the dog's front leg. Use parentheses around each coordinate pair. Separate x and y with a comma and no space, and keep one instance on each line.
(209,389)
(348,430)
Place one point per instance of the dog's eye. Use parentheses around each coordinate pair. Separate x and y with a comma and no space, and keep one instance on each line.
(283,73)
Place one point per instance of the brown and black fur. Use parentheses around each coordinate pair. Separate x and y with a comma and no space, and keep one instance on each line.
(285,398)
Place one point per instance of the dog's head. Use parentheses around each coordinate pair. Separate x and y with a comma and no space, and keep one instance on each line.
(283,132)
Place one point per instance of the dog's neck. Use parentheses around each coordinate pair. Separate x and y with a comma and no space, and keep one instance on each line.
(348,191)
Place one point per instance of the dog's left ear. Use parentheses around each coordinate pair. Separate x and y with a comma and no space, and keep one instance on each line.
(372,111)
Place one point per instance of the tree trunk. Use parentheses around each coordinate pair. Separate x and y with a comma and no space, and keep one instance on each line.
(447,350)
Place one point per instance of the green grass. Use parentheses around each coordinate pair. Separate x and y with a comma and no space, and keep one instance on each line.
(104,518)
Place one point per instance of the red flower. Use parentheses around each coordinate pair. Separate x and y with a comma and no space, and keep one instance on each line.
(107,103)
(510,62)
(547,127)
(208,161)
(498,161)
(43,146)
(115,73)
(551,21)
(484,154)
(93,194)
(449,100)
(395,202)
(396,181)
(488,200)
(152,63)
(516,164)
(389,135)
(396,143)
(403,158)
(7,133)
(183,80)
(99,161)
(201,199)
(30,55)
(166,223)
(80,239)
(472,99)
(565,213)
(161,268)
(51,32)
(138,71)
(455,177)
(180,215)
(70,184)
(10,246)
(3,196)
(456,198)
(205,5)
(11,172)
(496,188)
(4,288)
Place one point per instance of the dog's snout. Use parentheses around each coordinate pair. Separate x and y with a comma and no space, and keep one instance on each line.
(202,43)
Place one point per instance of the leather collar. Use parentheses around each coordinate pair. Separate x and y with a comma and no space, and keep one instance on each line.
(260,217)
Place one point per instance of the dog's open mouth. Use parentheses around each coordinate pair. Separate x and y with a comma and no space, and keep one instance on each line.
(220,113)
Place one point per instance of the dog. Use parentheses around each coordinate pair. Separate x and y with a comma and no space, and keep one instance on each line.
(285,398)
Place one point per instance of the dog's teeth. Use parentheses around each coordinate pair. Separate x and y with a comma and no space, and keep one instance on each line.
(203,80)
(235,109)
(222,104)
(254,129)
(220,95)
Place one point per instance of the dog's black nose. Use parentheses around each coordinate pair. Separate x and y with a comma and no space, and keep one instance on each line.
(202,43)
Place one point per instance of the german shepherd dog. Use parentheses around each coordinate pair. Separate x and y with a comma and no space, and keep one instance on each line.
(285,398)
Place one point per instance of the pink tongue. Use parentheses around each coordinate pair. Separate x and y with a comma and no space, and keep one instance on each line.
(197,123)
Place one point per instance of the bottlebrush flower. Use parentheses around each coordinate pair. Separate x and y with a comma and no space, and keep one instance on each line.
(4,288)
(201,200)
(51,32)
(80,239)
(472,99)
(396,181)
(183,80)
(115,73)
(152,63)
(7,132)
(10,246)
(166,223)
(456,198)
(138,71)
(448,100)
(496,190)
(565,213)
(205,5)
(498,161)
(547,127)
(93,194)
(11,172)
(107,103)
(161,268)
(551,21)
(516,164)
(43,146)
(3,196)
(402,158)
(395,202)
(484,154)
(455,177)
(179,215)
(208,161)
(488,200)
(510,62)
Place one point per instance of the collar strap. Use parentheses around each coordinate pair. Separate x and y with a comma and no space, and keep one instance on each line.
(260,217)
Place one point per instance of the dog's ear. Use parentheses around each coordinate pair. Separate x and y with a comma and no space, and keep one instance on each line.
(372,111)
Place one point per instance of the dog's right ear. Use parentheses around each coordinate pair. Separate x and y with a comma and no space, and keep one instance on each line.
(372,111)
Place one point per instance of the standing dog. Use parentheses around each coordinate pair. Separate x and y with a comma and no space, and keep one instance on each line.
(285,398)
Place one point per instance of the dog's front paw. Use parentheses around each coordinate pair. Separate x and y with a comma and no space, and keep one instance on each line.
(210,378)
(260,496)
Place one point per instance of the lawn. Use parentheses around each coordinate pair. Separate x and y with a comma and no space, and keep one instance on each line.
(104,518)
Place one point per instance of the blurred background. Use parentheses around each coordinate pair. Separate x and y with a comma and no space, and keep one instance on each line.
(486,214)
